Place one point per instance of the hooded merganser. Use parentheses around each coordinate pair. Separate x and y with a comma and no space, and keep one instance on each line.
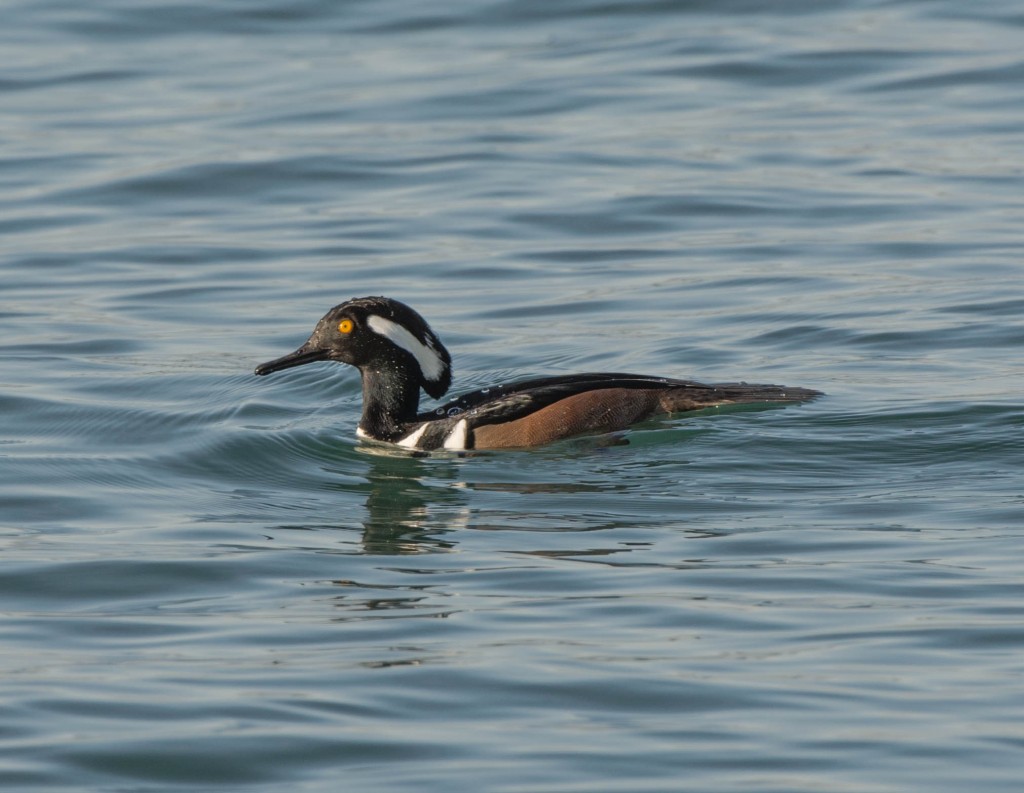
(397,353)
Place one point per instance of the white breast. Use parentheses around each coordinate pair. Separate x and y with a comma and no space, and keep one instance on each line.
(456,439)
(410,440)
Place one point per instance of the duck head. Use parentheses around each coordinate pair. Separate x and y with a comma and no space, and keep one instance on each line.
(377,335)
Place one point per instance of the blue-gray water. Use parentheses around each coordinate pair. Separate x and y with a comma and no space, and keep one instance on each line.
(206,584)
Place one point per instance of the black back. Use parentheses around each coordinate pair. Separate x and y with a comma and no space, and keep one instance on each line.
(514,400)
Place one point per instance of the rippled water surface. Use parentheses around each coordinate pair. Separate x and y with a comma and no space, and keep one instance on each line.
(207,584)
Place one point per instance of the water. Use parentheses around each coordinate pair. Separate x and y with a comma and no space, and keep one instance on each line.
(208,585)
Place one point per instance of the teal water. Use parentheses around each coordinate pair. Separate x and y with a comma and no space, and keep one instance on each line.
(207,584)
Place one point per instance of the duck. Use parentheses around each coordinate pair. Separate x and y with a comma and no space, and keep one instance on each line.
(398,354)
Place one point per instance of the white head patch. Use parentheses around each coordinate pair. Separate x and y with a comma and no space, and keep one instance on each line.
(431,364)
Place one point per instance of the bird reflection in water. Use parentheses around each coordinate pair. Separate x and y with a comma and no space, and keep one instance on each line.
(411,503)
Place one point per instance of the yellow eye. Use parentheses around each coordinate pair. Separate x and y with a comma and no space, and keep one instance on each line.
(345,326)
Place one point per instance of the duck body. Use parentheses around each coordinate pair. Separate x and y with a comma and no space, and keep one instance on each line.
(397,354)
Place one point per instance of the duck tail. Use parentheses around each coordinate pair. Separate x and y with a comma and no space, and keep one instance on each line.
(688,398)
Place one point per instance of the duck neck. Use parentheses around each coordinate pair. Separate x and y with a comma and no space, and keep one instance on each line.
(391,398)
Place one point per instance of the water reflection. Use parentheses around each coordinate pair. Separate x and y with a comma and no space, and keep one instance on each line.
(410,503)
(423,504)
